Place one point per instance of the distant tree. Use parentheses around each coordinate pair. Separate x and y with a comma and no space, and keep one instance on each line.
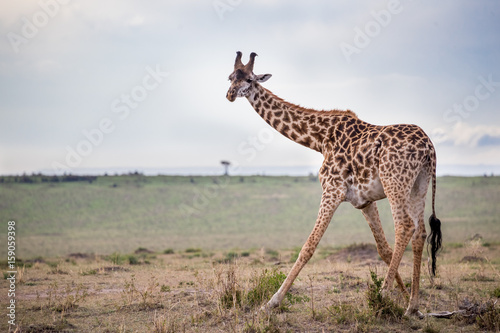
(226,165)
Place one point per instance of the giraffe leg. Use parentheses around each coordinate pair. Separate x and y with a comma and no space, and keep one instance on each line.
(417,245)
(329,204)
(404,229)
(371,215)
(417,209)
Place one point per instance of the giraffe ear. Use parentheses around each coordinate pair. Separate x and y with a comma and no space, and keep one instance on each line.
(263,77)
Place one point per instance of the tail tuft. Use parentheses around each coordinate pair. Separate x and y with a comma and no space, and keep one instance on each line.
(434,240)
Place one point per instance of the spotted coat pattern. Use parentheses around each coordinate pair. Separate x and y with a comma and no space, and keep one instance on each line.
(363,163)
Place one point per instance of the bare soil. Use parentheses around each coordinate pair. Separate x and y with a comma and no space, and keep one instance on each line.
(185,292)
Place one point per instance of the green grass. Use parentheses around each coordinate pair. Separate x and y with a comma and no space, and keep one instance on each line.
(117,214)
(382,306)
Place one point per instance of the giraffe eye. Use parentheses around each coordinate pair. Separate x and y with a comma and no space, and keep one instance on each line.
(249,80)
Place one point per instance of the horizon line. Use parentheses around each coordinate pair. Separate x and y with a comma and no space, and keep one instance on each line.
(296,170)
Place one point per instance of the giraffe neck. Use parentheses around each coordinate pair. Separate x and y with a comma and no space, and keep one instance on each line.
(305,126)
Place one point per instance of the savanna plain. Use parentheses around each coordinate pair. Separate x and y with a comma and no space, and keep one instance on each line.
(133,253)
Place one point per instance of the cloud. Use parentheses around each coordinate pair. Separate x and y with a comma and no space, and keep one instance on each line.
(464,135)
(64,78)
(488,140)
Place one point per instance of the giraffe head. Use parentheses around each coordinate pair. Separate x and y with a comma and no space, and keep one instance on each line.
(243,79)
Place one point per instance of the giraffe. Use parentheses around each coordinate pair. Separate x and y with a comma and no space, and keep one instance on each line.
(362,163)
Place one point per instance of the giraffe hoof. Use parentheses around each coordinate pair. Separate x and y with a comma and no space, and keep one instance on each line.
(385,293)
(414,313)
(267,309)
(405,293)
(273,303)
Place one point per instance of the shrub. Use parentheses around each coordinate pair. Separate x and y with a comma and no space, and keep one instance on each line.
(381,305)
(346,314)
(192,250)
(132,260)
(229,293)
(496,292)
(272,253)
(116,258)
(295,255)
(169,251)
(266,285)
(231,256)
(490,318)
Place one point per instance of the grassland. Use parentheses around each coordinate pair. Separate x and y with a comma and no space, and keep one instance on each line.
(120,214)
(204,291)
(189,254)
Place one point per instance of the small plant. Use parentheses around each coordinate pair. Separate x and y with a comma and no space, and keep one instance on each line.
(266,285)
(230,295)
(141,250)
(116,258)
(231,256)
(169,251)
(146,296)
(346,314)
(381,305)
(272,253)
(159,323)
(73,296)
(89,272)
(429,328)
(55,269)
(192,250)
(132,260)
(67,299)
(496,292)
(295,255)
(489,319)
(52,264)
(129,291)
(165,324)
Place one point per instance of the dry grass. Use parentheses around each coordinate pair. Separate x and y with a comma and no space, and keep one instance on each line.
(207,293)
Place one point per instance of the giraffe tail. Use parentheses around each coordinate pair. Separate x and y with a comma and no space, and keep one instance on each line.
(435,237)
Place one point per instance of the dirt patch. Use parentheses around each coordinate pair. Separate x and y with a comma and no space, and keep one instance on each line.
(476,237)
(79,255)
(60,326)
(143,250)
(39,260)
(359,253)
(114,269)
(472,259)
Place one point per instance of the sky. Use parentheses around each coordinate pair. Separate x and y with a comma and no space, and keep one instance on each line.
(129,85)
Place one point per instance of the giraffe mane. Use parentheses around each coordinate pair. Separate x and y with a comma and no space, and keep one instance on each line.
(333,112)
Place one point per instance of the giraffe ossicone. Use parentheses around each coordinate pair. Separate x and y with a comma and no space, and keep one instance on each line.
(362,163)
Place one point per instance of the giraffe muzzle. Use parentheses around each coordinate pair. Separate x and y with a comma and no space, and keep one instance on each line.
(231,96)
